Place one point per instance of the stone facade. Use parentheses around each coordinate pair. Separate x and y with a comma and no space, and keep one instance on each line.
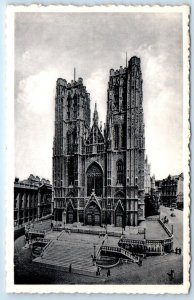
(147,177)
(172,191)
(98,175)
(32,199)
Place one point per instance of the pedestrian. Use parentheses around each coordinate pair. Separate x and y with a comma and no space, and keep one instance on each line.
(172,274)
(180,251)
(176,249)
(70,267)
(108,272)
(140,262)
(51,225)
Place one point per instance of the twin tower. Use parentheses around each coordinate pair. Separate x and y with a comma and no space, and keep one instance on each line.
(98,175)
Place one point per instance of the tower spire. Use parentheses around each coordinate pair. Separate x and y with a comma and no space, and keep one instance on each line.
(95,116)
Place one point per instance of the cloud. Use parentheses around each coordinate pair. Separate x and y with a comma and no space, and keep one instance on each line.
(36,92)
(35,124)
(97,85)
(48,46)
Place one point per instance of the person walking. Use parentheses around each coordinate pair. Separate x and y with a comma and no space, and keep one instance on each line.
(172,274)
(70,268)
(108,273)
(51,225)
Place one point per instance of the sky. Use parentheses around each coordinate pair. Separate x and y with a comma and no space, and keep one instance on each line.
(50,45)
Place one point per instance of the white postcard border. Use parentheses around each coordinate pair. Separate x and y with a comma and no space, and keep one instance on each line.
(106,289)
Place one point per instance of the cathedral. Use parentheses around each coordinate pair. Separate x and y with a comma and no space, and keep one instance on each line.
(98,174)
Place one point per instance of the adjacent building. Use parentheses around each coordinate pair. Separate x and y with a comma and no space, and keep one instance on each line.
(147,176)
(32,199)
(172,191)
(98,175)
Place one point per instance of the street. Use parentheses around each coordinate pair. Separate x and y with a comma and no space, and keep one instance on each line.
(177,223)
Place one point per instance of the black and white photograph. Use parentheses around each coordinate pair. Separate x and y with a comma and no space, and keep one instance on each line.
(100,174)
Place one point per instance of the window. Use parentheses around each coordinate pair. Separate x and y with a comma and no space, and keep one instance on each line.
(75,106)
(94,180)
(120,172)
(116,137)
(71,171)
(68,143)
(116,96)
(123,136)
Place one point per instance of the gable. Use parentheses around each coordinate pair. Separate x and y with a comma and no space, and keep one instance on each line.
(95,136)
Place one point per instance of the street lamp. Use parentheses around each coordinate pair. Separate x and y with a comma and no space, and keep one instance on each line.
(144,233)
(94,257)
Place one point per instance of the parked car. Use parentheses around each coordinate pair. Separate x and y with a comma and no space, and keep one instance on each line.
(173,215)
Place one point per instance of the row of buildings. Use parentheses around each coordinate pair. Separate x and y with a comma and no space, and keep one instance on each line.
(32,199)
(170,191)
(33,196)
(167,191)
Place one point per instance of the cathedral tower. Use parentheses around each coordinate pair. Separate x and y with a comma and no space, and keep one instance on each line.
(125,143)
(72,122)
(98,177)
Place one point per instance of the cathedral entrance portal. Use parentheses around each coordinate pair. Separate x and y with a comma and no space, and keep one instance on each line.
(94,180)
(93,215)
(119,216)
(119,221)
(70,214)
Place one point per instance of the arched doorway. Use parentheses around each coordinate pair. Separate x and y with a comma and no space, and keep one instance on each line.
(94,180)
(93,214)
(119,216)
(70,214)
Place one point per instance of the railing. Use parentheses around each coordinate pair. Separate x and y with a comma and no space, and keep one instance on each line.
(121,251)
(132,241)
(39,239)
(166,229)
(99,247)
(34,231)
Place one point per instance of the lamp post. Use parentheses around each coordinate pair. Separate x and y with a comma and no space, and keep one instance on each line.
(94,257)
(144,233)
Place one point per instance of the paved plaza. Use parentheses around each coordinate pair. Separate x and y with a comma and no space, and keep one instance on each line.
(77,249)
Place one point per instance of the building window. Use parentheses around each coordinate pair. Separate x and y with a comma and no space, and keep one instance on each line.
(69,143)
(123,136)
(71,171)
(94,180)
(116,137)
(120,172)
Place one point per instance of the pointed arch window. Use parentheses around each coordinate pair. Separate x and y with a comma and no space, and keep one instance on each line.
(123,136)
(116,128)
(116,96)
(71,171)
(75,98)
(69,143)
(94,180)
(120,172)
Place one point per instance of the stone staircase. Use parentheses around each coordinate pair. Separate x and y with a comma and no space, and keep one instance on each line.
(61,253)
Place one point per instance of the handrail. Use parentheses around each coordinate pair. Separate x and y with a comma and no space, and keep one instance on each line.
(99,248)
(122,251)
(39,239)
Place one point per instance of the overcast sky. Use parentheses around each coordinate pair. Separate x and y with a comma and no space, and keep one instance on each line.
(50,45)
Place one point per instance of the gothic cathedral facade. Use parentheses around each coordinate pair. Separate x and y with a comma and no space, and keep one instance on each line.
(98,175)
